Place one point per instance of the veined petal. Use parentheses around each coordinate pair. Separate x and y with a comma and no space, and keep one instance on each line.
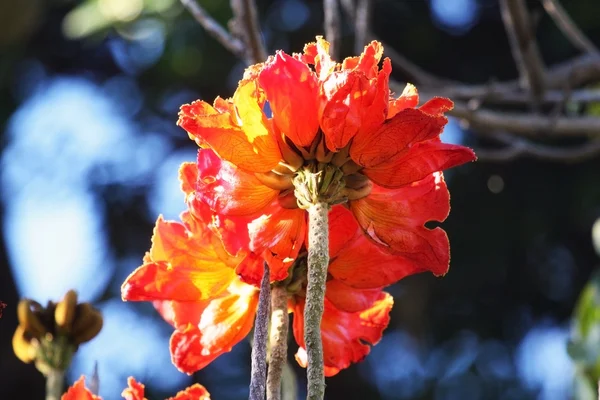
(230,190)
(79,392)
(349,299)
(408,127)
(221,131)
(224,322)
(134,391)
(408,99)
(292,90)
(363,264)
(281,233)
(317,54)
(179,314)
(194,392)
(417,162)
(188,177)
(395,219)
(344,334)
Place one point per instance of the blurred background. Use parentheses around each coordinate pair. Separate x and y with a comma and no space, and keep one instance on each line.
(89,153)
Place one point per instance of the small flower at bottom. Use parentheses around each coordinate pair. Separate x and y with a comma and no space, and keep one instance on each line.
(134,391)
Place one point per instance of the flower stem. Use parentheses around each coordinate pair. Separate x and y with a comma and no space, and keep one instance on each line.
(318,261)
(54,384)
(259,344)
(278,341)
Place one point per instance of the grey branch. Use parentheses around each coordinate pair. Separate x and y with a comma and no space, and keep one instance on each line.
(247,27)
(214,28)
(332,26)
(361,25)
(523,46)
(517,147)
(569,28)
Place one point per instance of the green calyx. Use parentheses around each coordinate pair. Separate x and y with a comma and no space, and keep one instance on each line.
(318,183)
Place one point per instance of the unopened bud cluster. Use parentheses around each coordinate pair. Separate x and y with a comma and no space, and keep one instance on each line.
(50,335)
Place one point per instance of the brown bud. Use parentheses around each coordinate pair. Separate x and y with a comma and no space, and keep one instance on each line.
(87,324)
(29,320)
(24,349)
(65,311)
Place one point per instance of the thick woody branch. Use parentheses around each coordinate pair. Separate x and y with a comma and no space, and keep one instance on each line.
(569,28)
(523,45)
(214,28)
(332,26)
(247,27)
(488,121)
(517,147)
(258,377)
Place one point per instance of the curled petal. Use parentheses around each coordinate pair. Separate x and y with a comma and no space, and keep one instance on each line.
(188,177)
(181,313)
(224,322)
(349,299)
(417,162)
(408,99)
(230,190)
(184,266)
(346,335)
(395,219)
(408,127)
(437,106)
(79,392)
(134,391)
(292,90)
(317,54)
(363,264)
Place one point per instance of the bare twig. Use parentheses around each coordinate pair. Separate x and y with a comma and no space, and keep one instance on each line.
(214,28)
(523,45)
(258,378)
(361,25)
(569,28)
(332,26)
(247,27)
(517,147)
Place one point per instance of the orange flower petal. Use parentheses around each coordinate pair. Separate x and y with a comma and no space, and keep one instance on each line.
(344,334)
(181,313)
(419,161)
(408,127)
(188,176)
(185,266)
(134,391)
(224,322)
(437,106)
(281,232)
(395,219)
(229,190)
(292,90)
(255,151)
(194,392)
(408,99)
(363,264)
(79,392)
(349,299)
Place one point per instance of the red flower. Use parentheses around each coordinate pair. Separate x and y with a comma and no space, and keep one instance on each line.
(134,391)
(384,156)
(189,276)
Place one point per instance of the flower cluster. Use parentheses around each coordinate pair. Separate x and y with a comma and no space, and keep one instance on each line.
(301,129)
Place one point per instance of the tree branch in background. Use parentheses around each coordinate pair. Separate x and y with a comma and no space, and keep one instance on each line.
(247,27)
(214,28)
(523,46)
(517,147)
(332,26)
(569,28)
(361,25)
